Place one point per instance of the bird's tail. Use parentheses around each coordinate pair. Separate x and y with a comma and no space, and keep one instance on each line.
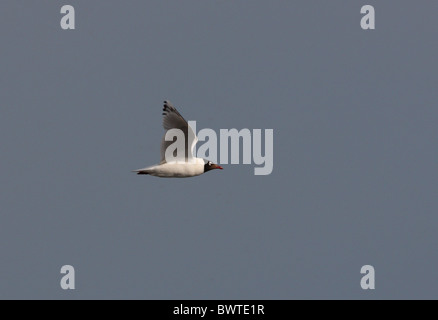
(141,171)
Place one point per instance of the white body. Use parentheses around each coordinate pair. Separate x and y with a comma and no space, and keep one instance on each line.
(182,169)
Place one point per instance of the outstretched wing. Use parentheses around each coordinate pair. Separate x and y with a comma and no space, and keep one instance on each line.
(172,119)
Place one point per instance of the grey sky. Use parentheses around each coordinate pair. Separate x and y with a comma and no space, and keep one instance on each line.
(355,174)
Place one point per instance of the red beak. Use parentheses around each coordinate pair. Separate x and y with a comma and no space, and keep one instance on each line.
(218,167)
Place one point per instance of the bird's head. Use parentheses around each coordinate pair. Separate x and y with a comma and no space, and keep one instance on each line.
(210,166)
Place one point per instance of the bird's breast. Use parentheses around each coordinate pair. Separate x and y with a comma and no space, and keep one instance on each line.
(179,170)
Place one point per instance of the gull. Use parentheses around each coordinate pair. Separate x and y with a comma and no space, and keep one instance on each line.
(180,167)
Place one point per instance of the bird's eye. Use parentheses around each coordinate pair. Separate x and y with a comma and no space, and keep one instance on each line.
(209,163)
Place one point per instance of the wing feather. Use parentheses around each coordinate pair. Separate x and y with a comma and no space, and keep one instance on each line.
(172,119)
